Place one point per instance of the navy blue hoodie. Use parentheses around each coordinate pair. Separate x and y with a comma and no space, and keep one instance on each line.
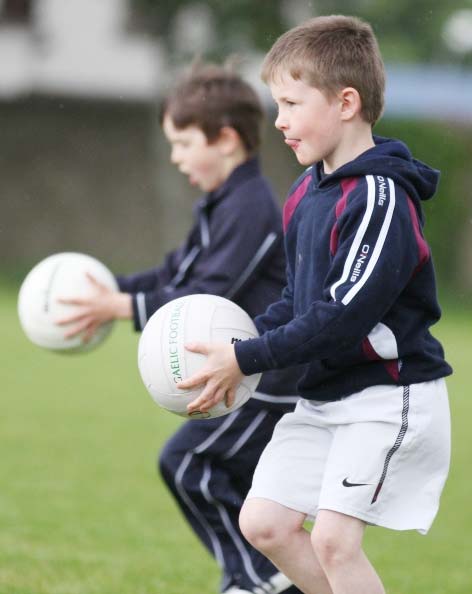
(231,252)
(361,292)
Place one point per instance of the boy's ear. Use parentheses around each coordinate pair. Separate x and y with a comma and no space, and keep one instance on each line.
(228,140)
(351,103)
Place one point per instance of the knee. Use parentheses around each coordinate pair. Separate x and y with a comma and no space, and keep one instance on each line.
(337,539)
(331,550)
(265,532)
(257,530)
(168,462)
(163,466)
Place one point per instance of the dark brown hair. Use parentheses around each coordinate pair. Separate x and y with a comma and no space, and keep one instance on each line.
(211,97)
(332,53)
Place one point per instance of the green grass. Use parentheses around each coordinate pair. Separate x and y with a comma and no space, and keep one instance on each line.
(82,510)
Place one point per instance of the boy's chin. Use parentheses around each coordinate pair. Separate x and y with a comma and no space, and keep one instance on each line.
(207,186)
(305,161)
(198,185)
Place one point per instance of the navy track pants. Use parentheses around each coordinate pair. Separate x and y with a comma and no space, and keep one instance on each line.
(208,467)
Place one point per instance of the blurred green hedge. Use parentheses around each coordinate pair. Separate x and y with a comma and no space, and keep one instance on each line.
(447,147)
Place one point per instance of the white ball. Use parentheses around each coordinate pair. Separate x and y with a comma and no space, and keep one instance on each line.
(60,275)
(163,360)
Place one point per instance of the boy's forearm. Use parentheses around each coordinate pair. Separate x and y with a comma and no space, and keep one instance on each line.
(121,306)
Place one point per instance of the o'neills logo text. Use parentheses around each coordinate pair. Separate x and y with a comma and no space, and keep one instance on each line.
(360,262)
(174,331)
(382,186)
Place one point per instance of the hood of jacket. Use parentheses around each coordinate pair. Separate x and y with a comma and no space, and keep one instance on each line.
(389,158)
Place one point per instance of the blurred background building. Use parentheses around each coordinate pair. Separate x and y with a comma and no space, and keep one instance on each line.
(83,162)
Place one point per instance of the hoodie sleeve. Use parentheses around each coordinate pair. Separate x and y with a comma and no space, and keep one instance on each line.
(235,235)
(379,247)
(147,289)
(150,279)
(280,312)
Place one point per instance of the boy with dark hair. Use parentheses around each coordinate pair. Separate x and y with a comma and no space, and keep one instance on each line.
(212,120)
(369,441)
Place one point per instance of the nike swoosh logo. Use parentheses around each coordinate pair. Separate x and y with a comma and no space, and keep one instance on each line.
(346,483)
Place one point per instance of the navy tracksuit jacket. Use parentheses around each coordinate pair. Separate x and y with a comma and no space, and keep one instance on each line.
(361,293)
(234,249)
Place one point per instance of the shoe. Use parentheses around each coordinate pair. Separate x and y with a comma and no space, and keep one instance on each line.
(277,584)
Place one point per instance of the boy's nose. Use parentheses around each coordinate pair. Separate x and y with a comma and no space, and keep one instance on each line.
(280,123)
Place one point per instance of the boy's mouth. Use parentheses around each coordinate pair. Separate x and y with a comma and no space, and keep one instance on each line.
(192,180)
(292,143)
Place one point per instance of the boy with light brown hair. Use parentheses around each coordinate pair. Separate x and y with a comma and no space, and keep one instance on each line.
(212,120)
(369,441)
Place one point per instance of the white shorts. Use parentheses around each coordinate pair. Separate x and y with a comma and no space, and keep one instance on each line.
(380,455)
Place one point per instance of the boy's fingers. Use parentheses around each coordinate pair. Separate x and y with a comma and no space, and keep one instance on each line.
(77,329)
(97,284)
(81,324)
(93,280)
(201,405)
(230,397)
(70,319)
(197,347)
(197,380)
(88,334)
(71,300)
(208,398)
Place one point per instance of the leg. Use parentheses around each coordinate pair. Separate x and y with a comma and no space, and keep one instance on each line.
(337,543)
(182,473)
(278,533)
(208,466)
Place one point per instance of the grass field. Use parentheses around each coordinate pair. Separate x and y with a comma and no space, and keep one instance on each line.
(82,510)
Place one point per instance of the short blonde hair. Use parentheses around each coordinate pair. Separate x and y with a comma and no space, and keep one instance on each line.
(332,53)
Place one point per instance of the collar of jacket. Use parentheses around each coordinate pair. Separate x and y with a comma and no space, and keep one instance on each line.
(240,174)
